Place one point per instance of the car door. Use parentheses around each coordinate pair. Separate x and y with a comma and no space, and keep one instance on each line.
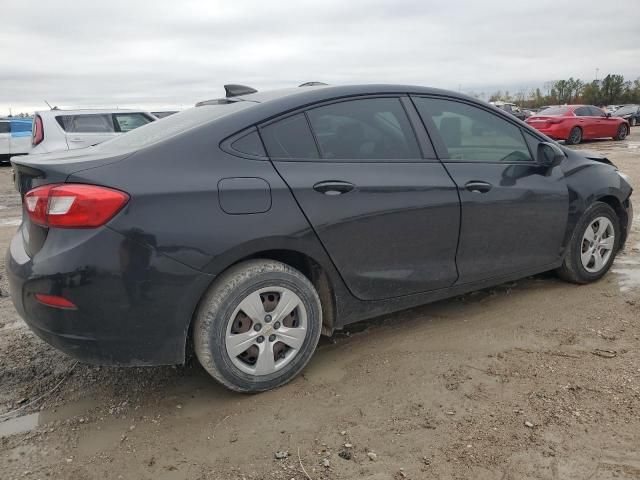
(5,135)
(586,122)
(607,125)
(387,216)
(514,211)
(86,129)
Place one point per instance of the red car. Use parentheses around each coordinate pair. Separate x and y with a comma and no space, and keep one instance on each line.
(574,123)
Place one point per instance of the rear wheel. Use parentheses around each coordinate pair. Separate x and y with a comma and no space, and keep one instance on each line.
(622,132)
(593,246)
(575,136)
(258,326)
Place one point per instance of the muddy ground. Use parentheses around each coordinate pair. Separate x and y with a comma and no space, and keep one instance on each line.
(533,379)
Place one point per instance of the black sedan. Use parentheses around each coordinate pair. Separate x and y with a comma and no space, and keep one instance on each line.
(249,225)
(631,113)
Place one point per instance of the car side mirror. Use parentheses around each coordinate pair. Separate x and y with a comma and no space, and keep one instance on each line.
(608,114)
(549,154)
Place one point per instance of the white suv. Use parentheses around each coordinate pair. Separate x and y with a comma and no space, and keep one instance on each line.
(55,130)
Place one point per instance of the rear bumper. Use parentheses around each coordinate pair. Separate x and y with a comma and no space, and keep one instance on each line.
(134,304)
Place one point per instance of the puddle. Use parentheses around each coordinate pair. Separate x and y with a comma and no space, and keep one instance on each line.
(31,421)
(21,424)
(628,270)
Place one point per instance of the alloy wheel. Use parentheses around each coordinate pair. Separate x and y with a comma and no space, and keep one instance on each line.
(266,330)
(597,244)
(575,136)
(622,132)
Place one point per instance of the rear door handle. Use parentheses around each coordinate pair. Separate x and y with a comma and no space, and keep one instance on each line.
(333,187)
(478,187)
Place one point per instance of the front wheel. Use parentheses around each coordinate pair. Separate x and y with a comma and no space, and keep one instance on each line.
(622,132)
(593,246)
(258,326)
(575,136)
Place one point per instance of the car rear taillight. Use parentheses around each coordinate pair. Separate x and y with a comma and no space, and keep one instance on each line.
(38,131)
(73,205)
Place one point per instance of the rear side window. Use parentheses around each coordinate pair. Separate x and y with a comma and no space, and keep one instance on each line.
(249,144)
(290,138)
(5,127)
(596,112)
(374,128)
(128,121)
(582,112)
(472,134)
(89,123)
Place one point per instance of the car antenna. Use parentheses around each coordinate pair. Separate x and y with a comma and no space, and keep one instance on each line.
(312,84)
(233,90)
(50,107)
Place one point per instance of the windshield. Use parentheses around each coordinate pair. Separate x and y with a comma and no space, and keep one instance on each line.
(626,110)
(554,111)
(170,126)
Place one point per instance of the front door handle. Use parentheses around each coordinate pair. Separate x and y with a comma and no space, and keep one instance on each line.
(333,187)
(478,187)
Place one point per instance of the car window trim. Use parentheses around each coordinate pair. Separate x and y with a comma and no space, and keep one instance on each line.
(225,145)
(441,149)
(333,101)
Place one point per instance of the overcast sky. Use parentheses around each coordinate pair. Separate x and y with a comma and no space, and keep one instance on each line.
(166,54)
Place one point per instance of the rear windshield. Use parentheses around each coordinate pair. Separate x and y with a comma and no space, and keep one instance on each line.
(551,111)
(170,126)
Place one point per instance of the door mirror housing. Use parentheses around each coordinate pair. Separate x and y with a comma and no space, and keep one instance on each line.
(549,154)
(608,114)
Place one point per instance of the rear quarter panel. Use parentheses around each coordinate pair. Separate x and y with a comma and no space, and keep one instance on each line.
(175,203)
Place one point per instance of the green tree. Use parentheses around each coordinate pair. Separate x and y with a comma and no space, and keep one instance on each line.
(591,93)
(612,88)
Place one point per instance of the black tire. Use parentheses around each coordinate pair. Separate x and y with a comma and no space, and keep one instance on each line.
(575,136)
(221,301)
(623,131)
(572,270)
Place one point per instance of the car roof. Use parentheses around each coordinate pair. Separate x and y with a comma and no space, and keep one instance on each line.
(87,111)
(277,102)
(328,92)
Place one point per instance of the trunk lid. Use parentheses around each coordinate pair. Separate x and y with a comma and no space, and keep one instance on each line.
(31,171)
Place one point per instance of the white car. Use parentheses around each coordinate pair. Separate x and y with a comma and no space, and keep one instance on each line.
(55,130)
(15,137)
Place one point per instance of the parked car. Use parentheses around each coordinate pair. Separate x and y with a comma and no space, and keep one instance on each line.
(511,108)
(249,225)
(574,123)
(56,130)
(631,113)
(610,108)
(15,137)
